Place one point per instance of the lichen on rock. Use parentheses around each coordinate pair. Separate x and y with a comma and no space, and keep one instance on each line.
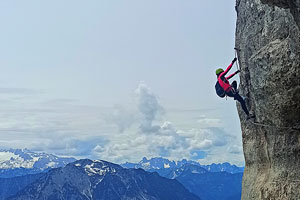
(268,36)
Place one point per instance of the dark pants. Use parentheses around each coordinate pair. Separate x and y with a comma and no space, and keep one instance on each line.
(233,93)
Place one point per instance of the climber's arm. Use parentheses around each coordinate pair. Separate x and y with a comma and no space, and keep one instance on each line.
(226,71)
(229,67)
(232,75)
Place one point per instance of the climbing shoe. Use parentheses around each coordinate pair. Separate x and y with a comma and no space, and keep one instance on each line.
(244,97)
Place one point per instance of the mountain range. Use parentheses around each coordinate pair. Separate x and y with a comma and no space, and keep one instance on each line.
(18,162)
(209,182)
(209,185)
(24,173)
(163,165)
(87,179)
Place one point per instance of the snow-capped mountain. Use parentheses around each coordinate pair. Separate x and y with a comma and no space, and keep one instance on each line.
(18,162)
(23,158)
(223,167)
(163,165)
(157,163)
(87,179)
(209,182)
(186,169)
(207,185)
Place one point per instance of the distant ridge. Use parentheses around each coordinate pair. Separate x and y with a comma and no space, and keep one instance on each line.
(18,162)
(87,179)
(160,164)
(209,182)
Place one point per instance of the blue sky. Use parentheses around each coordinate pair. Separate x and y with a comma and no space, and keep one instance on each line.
(118,80)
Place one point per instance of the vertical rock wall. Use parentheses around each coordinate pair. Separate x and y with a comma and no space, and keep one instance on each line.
(268,36)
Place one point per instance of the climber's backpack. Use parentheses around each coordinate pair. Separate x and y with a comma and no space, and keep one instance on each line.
(219,90)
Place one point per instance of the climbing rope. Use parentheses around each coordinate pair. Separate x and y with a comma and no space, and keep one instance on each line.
(236,56)
(273,126)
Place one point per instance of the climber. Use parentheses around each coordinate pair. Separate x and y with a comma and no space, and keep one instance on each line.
(224,88)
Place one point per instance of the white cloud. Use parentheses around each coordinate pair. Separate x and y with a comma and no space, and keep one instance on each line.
(117,134)
(235,149)
(18,91)
(205,144)
(153,137)
(209,122)
(149,107)
(122,117)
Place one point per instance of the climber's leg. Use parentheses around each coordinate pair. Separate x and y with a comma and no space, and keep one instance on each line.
(242,102)
(234,85)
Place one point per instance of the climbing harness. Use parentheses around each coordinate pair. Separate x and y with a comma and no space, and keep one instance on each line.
(273,126)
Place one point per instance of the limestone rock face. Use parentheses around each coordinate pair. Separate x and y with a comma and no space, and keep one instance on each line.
(268,36)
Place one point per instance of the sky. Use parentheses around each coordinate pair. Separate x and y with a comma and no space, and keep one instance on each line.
(118,80)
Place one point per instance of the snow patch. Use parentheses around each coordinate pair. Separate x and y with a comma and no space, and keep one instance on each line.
(4,156)
(90,170)
(147,164)
(96,169)
(166,165)
(51,164)
(17,158)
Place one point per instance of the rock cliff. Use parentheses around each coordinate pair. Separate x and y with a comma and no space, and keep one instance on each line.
(268,36)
